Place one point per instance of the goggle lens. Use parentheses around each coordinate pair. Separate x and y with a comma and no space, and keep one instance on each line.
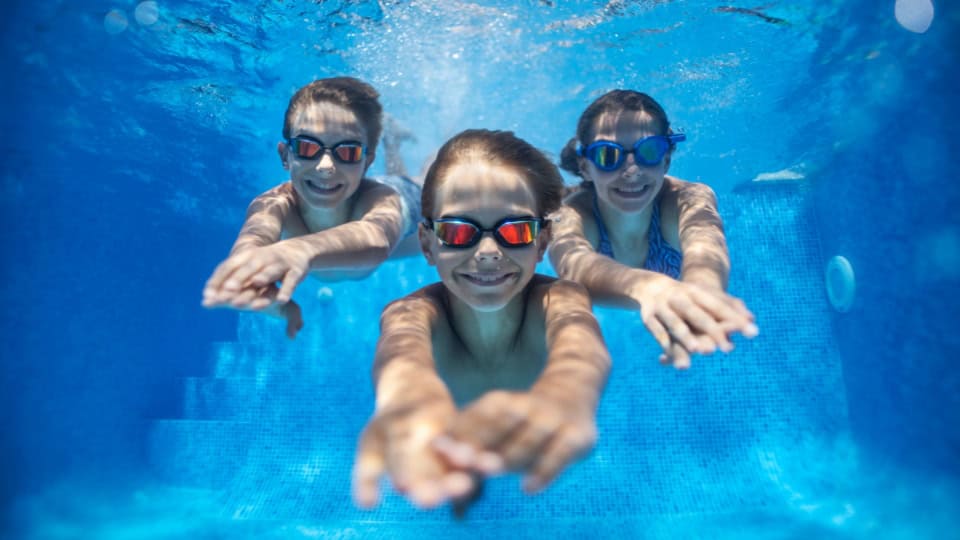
(306,148)
(518,233)
(348,153)
(453,233)
(650,151)
(607,157)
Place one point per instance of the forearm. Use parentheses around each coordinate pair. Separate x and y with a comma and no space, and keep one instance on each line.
(404,372)
(707,267)
(705,258)
(578,362)
(264,221)
(356,245)
(608,282)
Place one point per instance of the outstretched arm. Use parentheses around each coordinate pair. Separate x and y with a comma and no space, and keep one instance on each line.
(697,318)
(262,227)
(357,246)
(704,245)
(413,408)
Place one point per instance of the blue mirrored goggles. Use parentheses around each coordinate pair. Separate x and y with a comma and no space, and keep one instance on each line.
(649,151)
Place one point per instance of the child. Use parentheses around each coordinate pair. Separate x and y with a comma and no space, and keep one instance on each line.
(638,238)
(521,351)
(328,219)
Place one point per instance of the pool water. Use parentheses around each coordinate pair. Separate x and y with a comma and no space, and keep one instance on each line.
(136,133)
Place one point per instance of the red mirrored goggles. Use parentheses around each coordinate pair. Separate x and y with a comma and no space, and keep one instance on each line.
(310,148)
(464,233)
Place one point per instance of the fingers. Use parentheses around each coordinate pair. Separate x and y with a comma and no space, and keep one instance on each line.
(677,356)
(487,422)
(730,312)
(294,318)
(656,328)
(565,448)
(291,279)
(369,465)
(215,285)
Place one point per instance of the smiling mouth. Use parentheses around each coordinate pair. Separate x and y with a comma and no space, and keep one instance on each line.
(488,280)
(323,189)
(632,191)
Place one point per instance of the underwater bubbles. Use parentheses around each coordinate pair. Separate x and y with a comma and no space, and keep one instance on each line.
(115,21)
(147,13)
(914,15)
(841,284)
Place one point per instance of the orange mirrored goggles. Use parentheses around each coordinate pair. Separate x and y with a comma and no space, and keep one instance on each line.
(457,232)
(309,148)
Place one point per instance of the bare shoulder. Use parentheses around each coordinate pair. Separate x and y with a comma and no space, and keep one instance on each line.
(371,194)
(576,217)
(554,293)
(426,299)
(282,194)
(678,189)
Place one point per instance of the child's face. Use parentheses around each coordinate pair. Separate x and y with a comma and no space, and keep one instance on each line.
(325,181)
(487,275)
(632,186)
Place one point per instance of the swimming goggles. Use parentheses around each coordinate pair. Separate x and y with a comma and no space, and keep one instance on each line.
(649,151)
(509,232)
(309,148)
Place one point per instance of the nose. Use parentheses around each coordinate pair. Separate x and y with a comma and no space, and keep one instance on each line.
(488,249)
(325,163)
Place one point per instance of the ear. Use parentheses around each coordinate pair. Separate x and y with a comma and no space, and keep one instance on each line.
(426,243)
(282,151)
(370,157)
(543,240)
(582,166)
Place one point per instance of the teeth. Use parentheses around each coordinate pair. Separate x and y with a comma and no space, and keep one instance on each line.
(487,277)
(632,189)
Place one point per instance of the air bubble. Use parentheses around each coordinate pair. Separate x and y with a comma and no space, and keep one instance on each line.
(914,15)
(115,22)
(841,283)
(147,13)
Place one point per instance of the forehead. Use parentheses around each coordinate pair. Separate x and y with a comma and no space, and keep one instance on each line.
(484,191)
(624,124)
(326,119)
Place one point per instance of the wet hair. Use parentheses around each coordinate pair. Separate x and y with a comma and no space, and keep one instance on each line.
(613,101)
(499,148)
(347,92)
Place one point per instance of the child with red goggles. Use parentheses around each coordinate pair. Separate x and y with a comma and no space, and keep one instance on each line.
(328,220)
(495,368)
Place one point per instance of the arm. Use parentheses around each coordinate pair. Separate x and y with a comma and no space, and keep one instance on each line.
(705,258)
(413,407)
(542,430)
(697,318)
(360,244)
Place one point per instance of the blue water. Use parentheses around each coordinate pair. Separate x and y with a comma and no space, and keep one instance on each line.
(130,153)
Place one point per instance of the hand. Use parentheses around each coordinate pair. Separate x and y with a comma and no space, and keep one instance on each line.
(688,318)
(530,432)
(253,269)
(398,443)
(264,300)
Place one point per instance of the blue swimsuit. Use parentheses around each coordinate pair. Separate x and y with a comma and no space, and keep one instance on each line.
(661,256)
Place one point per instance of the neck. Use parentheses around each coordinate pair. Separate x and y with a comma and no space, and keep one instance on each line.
(487,335)
(319,219)
(624,225)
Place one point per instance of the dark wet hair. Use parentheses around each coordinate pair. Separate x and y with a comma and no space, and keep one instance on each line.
(612,102)
(347,92)
(502,148)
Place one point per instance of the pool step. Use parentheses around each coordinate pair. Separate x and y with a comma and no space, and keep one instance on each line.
(221,398)
(198,453)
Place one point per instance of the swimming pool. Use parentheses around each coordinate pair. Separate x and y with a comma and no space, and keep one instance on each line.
(136,137)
